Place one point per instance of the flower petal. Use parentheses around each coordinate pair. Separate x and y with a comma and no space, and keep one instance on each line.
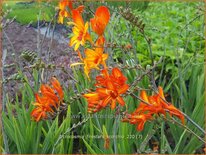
(123,89)
(144,96)
(120,101)
(77,18)
(161,93)
(113,104)
(106,101)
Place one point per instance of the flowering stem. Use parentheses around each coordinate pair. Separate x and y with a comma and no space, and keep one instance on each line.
(151,56)
(195,124)
(186,128)
(146,140)
(68,131)
(146,72)
(186,116)
(139,98)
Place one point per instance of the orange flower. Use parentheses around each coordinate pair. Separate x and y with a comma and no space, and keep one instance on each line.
(100,20)
(102,79)
(57,87)
(94,102)
(117,78)
(42,108)
(140,120)
(156,104)
(50,99)
(63,4)
(169,107)
(80,34)
(112,90)
(92,60)
(109,93)
(113,86)
(100,42)
(154,107)
(48,94)
(39,113)
(65,8)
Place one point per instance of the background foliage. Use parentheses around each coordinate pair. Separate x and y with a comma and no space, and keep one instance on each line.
(176,30)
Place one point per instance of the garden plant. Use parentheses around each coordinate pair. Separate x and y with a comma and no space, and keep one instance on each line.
(136,84)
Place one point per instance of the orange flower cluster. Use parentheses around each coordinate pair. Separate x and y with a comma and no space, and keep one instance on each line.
(109,87)
(65,7)
(98,24)
(49,100)
(95,56)
(109,91)
(156,104)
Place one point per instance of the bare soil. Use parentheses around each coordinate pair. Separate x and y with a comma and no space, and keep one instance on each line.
(18,38)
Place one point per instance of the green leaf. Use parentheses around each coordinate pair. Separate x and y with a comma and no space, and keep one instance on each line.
(89,148)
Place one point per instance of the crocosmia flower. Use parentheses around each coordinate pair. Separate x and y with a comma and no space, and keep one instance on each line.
(64,5)
(43,107)
(80,30)
(65,10)
(139,119)
(100,20)
(94,102)
(108,91)
(156,105)
(111,95)
(48,100)
(93,58)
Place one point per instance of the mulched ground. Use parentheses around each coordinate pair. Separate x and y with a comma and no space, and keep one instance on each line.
(25,38)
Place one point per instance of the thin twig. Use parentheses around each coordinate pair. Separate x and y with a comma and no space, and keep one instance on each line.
(195,124)
(185,127)
(14,51)
(38,36)
(71,100)
(146,140)
(50,66)
(192,20)
(145,73)
(51,42)
(68,131)
(132,94)
(152,58)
